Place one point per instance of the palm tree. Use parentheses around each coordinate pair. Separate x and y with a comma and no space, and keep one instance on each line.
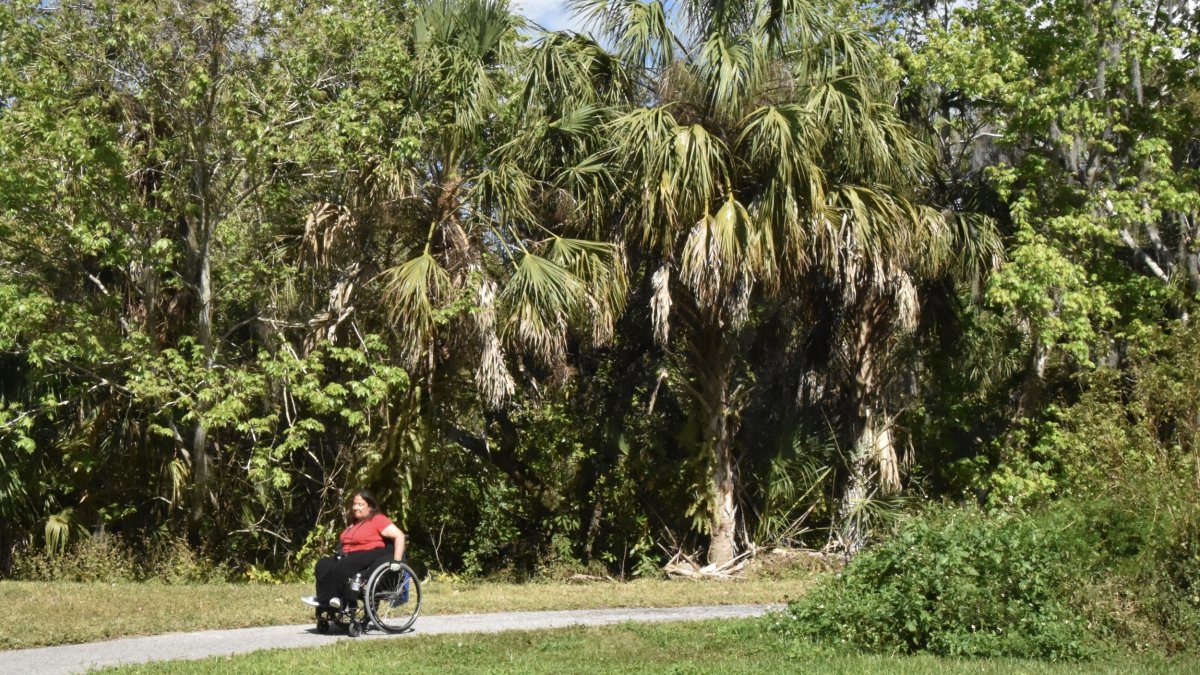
(500,271)
(761,158)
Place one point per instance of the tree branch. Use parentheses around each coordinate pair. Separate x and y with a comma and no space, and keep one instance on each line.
(1142,255)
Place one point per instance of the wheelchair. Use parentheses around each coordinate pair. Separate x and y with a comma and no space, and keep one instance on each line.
(387,600)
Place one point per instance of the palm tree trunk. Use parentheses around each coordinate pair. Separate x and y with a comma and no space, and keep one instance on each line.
(872,466)
(714,366)
(723,546)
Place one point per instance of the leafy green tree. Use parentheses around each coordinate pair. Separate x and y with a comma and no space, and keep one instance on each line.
(1078,119)
(135,163)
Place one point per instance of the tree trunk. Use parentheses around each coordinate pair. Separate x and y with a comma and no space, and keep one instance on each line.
(723,546)
(210,210)
(850,534)
(716,370)
(873,468)
(200,459)
(1035,376)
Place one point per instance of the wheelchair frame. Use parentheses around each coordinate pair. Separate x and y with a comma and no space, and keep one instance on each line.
(372,604)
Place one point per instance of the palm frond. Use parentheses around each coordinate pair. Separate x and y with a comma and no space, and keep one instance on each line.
(639,31)
(592,188)
(573,67)
(600,268)
(872,231)
(645,143)
(778,142)
(697,170)
(730,66)
(579,121)
(867,514)
(791,490)
(505,191)
(970,246)
(790,21)
(540,302)
(58,530)
(413,290)
(460,48)
(716,255)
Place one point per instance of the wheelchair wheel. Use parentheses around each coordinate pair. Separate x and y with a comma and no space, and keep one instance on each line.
(393,599)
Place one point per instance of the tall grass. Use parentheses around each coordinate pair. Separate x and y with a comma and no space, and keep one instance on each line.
(113,558)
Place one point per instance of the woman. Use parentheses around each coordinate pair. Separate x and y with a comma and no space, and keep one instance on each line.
(368,539)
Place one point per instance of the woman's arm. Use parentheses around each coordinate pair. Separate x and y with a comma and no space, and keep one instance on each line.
(397,536)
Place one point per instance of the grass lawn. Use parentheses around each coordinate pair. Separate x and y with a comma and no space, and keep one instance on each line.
(35,614)
(730,646)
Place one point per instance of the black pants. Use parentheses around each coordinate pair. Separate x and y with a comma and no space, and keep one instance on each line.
(333,572)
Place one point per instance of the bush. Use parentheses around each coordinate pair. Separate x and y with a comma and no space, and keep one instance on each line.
(174,561)
(958,583)
(112,558)
(103,557)
(1146,589)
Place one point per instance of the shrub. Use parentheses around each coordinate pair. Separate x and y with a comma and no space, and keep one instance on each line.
(174,561)
(103,557)
(113,558)
(958,583)
(1146,590)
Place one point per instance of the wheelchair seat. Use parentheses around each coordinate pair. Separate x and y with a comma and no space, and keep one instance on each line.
(380,598)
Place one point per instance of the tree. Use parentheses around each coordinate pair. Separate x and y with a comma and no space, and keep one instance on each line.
(762,160)
(1082,127)
(136,142)
(492,284)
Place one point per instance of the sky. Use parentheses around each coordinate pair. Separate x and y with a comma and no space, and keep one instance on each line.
(552,14)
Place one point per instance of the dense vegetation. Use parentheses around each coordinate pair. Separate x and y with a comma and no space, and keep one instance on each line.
(728,275)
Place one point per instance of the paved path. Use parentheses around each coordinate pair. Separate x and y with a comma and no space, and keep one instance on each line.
(79,658)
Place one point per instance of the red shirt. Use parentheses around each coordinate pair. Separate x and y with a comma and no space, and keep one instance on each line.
(365,535)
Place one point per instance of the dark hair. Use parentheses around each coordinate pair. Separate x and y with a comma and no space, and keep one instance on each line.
(369,499)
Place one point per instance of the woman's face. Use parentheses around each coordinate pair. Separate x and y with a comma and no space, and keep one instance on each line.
(360,508)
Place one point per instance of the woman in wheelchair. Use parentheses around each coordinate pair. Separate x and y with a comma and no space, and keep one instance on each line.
(368,542)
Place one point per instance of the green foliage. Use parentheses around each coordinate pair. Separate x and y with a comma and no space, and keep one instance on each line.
(255,255)
(1052,294)
(1120,566)
(958,583)
(112,558)
(1122,424)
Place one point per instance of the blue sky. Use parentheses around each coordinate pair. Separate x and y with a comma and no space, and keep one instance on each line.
(552,14)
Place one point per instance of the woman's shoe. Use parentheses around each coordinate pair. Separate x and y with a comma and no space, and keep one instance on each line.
(335,603)
(310,600)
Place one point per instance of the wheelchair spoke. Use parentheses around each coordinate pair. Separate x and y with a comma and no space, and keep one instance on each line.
(393,599)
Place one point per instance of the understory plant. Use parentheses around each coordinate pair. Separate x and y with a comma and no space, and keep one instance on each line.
(957,582)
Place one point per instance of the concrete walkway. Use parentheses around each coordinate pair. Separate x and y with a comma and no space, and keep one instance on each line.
(80,658)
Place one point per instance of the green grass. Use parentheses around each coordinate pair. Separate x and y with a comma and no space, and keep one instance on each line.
(731,646)
(37,614)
